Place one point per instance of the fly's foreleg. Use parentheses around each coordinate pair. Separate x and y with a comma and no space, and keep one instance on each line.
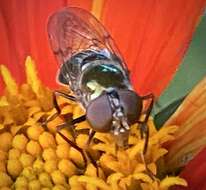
(85,154)
(75,146)
(91,135)
(56,105)
(144,130)
(70,125)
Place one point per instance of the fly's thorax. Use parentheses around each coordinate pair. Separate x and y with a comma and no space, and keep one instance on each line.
(99,75)
(73,69)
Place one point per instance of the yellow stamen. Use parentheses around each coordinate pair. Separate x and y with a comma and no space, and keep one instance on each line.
(94,181)
(114,179)
(143,177)
(169,181)
(31,74)
(8,80)
(3,101)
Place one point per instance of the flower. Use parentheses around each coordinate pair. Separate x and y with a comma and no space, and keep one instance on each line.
(153,42)
(188,148)
(41,158)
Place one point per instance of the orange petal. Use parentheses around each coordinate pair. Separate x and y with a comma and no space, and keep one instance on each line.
(191,136)
(153,37)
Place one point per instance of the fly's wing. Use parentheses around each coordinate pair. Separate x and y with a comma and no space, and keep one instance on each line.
(73,30)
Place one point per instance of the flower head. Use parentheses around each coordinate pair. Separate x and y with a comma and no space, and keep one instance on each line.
(39,157)
(153,37)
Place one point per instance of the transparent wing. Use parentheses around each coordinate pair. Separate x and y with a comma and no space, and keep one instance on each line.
(73,30)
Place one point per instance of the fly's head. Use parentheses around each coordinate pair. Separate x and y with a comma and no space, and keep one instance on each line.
(114,111)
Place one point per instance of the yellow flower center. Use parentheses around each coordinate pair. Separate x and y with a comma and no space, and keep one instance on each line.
(34,156)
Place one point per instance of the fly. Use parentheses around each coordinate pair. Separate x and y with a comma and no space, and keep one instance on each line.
(93,68)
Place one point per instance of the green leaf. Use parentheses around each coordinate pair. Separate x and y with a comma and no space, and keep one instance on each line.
(161,117)
(190,72)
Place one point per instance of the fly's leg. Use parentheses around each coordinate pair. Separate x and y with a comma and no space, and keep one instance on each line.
(85,154)
(56,105)
(95,164)
(73,144)
(75,121)
(91,135)
(70,125)
(144,130)
(66,124)
(148,171)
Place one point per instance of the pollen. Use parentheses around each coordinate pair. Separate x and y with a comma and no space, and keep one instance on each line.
(14,167)
(45,180)
(49,154)
(33,148)
(67,167)
(35,156)
(6,139)
(21,183)
(34,132)
(50,166)
(26,159)
(5,180)
(14,153)
(46,140)
(19,142)
(63,150)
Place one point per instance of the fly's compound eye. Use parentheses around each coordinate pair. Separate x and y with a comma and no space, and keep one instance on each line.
(99,114)
(132,105)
